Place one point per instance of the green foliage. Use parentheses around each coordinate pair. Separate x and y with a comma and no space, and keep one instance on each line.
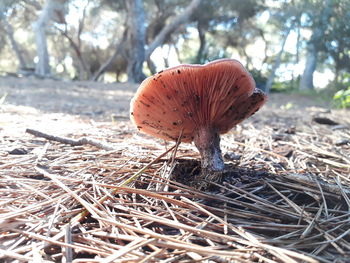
(260,79)
(341,98)
(340,91)
(322,96)
(285,86)
(287,106)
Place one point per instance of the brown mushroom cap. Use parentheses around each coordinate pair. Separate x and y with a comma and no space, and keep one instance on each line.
(181,99)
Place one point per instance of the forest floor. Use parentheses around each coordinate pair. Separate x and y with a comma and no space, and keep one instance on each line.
(285,195)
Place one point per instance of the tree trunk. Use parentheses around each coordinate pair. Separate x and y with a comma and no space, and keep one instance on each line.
(53,10)
(9,32)
(202,43)
(42,67)
(151,66)
(306,82)
(178,53)
(136,39)
(295,75)
(277,63)
(136,36)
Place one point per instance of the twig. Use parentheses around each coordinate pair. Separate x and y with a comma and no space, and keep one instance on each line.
(68,240)
(311,181)
(73,142)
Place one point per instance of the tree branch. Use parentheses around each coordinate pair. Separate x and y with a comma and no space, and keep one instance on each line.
(73,142)
(172,26)
(76,48)
(105,65)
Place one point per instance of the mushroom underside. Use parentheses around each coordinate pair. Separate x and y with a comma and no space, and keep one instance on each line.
(207,138)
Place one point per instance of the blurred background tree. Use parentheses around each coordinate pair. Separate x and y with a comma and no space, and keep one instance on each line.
(287,44)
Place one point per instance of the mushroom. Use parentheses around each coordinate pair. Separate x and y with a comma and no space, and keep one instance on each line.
(198,103)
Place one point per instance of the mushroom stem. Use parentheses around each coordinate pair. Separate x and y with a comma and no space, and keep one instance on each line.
(207,141)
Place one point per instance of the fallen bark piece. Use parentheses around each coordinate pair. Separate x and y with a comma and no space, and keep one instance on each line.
(324,120)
